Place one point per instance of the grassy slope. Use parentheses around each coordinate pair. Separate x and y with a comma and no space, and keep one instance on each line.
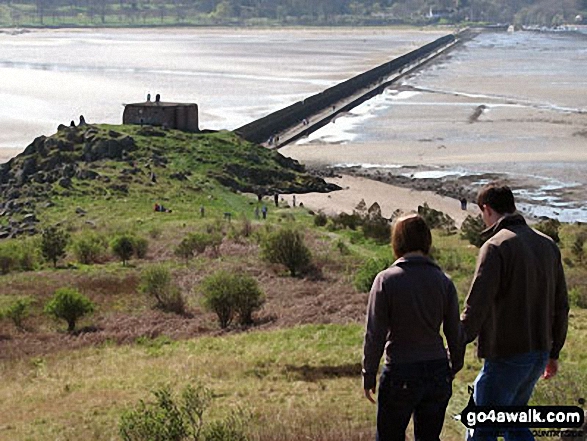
(299,381)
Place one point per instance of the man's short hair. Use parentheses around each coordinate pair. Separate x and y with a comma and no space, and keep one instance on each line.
(498,196)
(410,234)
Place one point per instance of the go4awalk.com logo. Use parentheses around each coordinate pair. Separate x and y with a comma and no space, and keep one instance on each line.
(505,418)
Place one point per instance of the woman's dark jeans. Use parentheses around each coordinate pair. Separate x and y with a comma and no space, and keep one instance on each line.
(422,389)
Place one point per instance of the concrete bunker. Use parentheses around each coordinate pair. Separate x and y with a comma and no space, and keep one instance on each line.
(181,116)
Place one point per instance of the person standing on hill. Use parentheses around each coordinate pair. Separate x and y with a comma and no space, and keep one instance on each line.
(517,307)
(408,303)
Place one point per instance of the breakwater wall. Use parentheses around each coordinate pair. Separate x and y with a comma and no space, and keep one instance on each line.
(362,86)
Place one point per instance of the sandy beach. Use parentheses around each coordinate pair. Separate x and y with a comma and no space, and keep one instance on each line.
(389,198)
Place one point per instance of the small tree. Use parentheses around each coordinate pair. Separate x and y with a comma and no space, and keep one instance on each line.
(471,229)
(287,247)
(53,244)
(366,274)
(70,305)
(123,247)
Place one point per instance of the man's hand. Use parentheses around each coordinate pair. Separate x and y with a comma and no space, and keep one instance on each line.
(551,369)
(369,395)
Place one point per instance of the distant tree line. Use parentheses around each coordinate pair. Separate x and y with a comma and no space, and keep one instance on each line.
(274,12)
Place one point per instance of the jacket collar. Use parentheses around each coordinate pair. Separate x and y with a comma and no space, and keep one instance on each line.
(506,221)
(416,260)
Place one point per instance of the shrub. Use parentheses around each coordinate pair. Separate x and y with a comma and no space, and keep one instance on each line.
(577,248)
(471,229)
(228,294)
(89,248)
(53,244)
(550,227)
(344,220)
(436,219)
(578,297)
(18,311)
(123,247)
(70,305)
(7,260)
(287,247)
(172,418)
(366,274)
(320,219)
(377,228)
(156,283)
(196,243)
(140,247)
(342,247)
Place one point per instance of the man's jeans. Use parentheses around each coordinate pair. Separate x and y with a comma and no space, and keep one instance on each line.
(508,381)
(423,389)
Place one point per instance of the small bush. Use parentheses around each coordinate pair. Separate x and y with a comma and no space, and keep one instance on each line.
(89,248)
(320,219)
(156,283)
(578,297)
(172,418)
(344,220)
(228,294)
(70,305)
(471,229)
(18,311)
(436,219)
(578,247)
(550,227)
(123,247)
(53,244)
(286,247)
(342,247)
(366,274)
(140,247)
(377,228)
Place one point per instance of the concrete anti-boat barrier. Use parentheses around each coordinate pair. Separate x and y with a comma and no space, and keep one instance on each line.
(303,117)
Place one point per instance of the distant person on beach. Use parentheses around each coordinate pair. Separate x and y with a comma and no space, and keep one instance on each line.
(276,199)
(463,202)
(408,303)
(264,211)
(517,307)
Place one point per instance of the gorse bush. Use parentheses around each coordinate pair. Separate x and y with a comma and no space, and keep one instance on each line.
(436,219)
(157,284)
(70,305)
(18,311)
(172,418)
(123,247)
(286,246)
(140,247)
(229,294)
(578,247)
(89,248)
(550,227)
(19,255)
(53,244)
(471,229)
(366,274)
(320,219)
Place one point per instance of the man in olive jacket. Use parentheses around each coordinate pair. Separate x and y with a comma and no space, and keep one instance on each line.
(517,307)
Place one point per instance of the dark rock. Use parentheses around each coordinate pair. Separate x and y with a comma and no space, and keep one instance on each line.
(4,233)
(150,131)
(113,134)
(80,210)
(30,219)
(61,127)
(122,188)
(87,174)
(65,182)
(91,223)
(69,170)
(37,146)
(49,204)
(179,176)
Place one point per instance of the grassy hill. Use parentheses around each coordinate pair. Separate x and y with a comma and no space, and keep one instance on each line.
(295,370)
